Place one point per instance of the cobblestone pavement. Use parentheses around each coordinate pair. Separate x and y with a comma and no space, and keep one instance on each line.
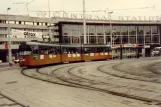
(117,83)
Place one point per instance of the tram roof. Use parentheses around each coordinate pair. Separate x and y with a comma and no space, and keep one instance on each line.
(65,45)
(42,44)
(71,45)
(95,45)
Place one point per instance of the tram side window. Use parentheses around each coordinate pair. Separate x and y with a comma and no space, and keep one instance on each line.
(107,49)
(96,50)
(103,49)
(100,50)
(36,51)
(53,50)
(87,50)
(48,50)
(67,50)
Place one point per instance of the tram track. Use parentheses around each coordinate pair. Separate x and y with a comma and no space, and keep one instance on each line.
(110,91)
(119,72)
(9,101)
(76,81)
(57,81)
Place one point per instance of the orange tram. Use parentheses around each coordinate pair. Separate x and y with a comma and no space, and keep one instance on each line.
(32,54)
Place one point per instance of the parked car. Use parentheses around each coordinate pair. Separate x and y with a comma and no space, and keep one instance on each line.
(156,51)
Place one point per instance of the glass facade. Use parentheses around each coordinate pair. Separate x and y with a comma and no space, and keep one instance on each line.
(100,34)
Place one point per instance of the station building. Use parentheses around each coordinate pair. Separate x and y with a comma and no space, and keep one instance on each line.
(128,37)
(27,25)
(70,31)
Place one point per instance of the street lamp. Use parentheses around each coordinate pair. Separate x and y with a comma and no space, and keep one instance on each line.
(84,23)
(49,19)
(109,13)
(9,40)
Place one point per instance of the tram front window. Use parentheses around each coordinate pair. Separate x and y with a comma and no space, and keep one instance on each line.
(25,50)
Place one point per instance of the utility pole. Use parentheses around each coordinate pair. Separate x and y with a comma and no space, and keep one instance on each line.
(49,19)
(84,22)
(111,33)
(9,40)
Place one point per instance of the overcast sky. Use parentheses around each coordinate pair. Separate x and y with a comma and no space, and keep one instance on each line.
(125,7)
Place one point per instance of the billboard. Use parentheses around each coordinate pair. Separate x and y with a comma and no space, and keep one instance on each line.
(25,34)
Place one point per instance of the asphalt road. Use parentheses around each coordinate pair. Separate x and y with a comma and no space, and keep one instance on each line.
(112,83)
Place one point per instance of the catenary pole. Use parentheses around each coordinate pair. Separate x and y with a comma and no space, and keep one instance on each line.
(9,40)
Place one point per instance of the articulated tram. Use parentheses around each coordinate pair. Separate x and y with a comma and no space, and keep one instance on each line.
(38,54)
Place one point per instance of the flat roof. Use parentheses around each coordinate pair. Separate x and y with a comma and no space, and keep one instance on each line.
(113,22)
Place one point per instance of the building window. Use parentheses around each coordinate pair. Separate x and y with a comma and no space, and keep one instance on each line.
(3,36)
(117,40)
(1,43)
(81,39)
(108,39)
(155,39)
(37,23)
(66,39)
(100,39)
(124,30)
(132,39)
(19,22)
(99,30)
(74,29)
(125,39)
(3,29)
(75,39)
(2,21)
(92,30)
(92,39)
(148,39)
(140,39)
(147,30)
(117,29)
(140,30)
(155,30)
(107,30)
(132,30)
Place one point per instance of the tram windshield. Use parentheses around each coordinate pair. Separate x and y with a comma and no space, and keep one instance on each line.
(25,49)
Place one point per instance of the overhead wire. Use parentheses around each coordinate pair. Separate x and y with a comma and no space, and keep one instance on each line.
(99,10)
